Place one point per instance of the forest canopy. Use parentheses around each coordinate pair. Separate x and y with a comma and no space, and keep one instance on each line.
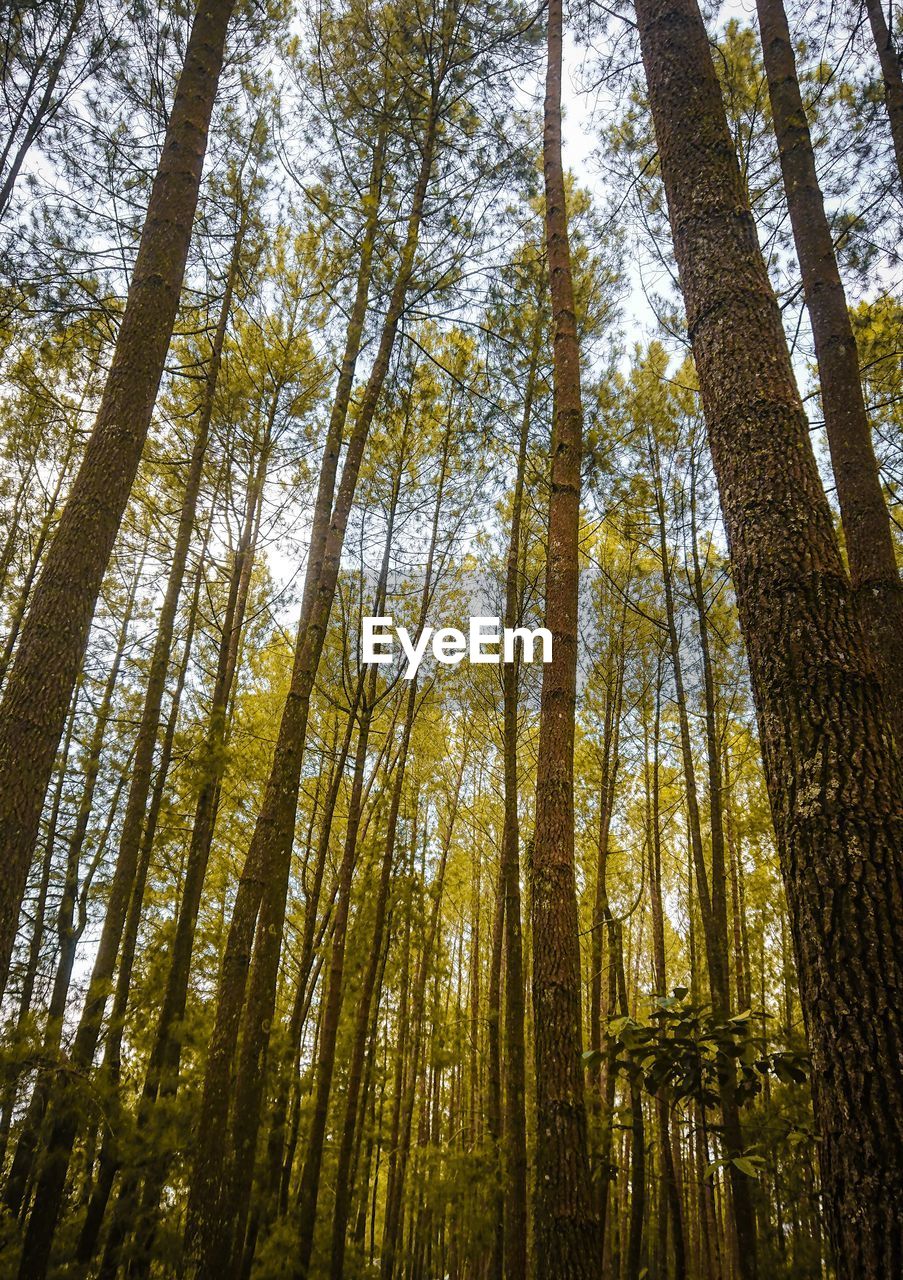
(451,640)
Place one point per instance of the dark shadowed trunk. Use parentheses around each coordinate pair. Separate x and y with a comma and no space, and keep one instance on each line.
(831,763)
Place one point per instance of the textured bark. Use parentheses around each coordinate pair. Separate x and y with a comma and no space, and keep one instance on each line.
(891,74)
(866,523)
(514,1064)
(69,932)
(40,683)
(566,1231)
(831,762)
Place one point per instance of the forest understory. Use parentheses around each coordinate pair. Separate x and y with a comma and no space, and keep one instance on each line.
(574,958)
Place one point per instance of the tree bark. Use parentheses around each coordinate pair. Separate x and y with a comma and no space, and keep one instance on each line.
(40,683)
(27,1146)
(514,1061)
(831,762)
(889,59)
(866,523)
(567,1240)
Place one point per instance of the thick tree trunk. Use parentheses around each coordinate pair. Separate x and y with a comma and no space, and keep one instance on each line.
(27,1146)
(36,941)
(127,888)
(55,633)
(567,1236)
(831,762)
(891,74)
(866,523)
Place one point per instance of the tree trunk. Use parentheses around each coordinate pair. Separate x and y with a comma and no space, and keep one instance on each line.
(567,1240)
(109,1155)
(332,1003)
(710,888)
(27,1146)
(163,1067)
(889,59)
(362,1016)
(43,110)
(40,684)
(515,1126)
(670,1208)
(831,763)
(269,856)
(414,1017)
(866,523)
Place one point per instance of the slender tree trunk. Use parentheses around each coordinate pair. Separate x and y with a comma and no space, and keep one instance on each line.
(268,859)
(414,1015)
(27,1146)
(162,1073)
(342,1206)
(670,1208)
(21,605)
(310,1175)
(40,684)
(514,1062)
(891,74)
(280,1156)
(109,1159)
(831,762)
(866,523)
(567,1237)
(710,888)
(43,110)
